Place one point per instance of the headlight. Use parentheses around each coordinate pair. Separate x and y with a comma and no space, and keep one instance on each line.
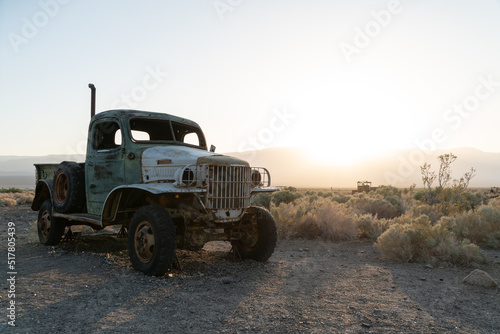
(188,177)
(256,178)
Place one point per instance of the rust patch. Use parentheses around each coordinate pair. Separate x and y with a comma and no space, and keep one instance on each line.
(101,171)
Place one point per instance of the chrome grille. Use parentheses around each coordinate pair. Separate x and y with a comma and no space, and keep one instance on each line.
(229,187)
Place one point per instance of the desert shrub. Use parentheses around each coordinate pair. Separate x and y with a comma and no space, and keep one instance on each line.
(322,218)
(335,221)
(16,198)
(400,242)
(7,200)
(448,192)
(430,211)
(407,218)
(305,228)
(25,198)
(422,241)
(371,227)
(386,191)
(494,202)
(407,197)
(262,199)
(313,198)
(285,196)
(481,227)
(10,190)
(285,216)
(325,195)
(419,196)
(341,198)
(376,206)
(397,203)
(470,200)
(471,252)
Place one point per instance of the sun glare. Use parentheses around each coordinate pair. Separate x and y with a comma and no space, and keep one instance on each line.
(350,116)
(341,155)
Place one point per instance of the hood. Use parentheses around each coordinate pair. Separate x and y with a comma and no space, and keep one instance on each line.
(183,155)
(173,155)
(162,162)
(222,160)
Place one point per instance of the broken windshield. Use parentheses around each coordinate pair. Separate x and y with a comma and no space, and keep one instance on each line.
(147,130)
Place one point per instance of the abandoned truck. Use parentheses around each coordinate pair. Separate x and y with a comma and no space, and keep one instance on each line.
(152,174)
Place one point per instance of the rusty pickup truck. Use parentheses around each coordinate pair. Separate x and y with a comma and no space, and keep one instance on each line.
(153,174)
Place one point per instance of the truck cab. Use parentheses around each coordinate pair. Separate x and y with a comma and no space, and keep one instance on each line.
(116,143)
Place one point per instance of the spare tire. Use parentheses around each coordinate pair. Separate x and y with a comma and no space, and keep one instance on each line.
(69,187)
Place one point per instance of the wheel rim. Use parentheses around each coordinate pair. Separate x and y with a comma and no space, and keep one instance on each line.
(61,187)
(44,224)
(144,241)
(250,238)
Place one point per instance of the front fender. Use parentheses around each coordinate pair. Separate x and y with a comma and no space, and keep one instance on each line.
(134,195)
(255,191)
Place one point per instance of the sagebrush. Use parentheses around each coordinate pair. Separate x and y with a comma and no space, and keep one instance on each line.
(16,198)
(402,224)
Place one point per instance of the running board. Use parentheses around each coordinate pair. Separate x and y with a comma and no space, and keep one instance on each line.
(85,218)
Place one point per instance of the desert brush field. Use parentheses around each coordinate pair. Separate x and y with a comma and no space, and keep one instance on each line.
(383,261)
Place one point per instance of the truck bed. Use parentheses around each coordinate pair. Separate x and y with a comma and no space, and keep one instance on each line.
(46,171)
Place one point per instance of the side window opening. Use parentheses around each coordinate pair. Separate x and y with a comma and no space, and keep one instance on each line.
(107,135)
(187,134)
(140,135)
(191,138)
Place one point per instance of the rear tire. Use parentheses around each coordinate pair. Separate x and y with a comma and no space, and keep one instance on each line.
(50,229)
(69,187)
(152,240)
(260,241)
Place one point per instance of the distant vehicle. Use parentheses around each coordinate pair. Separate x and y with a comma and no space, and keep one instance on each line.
(364,187)
(153,174)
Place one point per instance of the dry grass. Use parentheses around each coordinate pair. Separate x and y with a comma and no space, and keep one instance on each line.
(14,198)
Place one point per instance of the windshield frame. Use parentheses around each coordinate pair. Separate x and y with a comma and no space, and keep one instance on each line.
(167,126)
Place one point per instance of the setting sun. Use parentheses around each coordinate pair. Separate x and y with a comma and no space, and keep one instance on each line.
(353,115)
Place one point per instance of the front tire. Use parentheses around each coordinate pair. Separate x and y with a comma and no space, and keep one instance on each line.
(50,229)
(261,237)
(152,240)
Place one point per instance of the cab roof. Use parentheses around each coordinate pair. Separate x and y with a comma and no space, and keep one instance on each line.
(126,114)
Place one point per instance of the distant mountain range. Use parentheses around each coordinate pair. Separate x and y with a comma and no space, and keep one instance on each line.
(290,166)
(294,167)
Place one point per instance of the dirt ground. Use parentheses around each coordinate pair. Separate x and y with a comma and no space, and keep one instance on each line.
(88,286)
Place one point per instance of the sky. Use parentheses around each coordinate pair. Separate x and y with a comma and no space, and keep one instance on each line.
(342,79)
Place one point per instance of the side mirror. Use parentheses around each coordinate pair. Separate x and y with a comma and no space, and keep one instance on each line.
(212,148)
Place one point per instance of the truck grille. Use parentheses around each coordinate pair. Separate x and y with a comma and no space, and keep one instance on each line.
(229,187)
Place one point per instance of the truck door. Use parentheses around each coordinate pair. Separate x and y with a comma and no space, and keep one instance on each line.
(104,166)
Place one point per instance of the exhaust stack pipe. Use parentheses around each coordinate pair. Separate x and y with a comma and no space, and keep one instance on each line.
(92,100)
